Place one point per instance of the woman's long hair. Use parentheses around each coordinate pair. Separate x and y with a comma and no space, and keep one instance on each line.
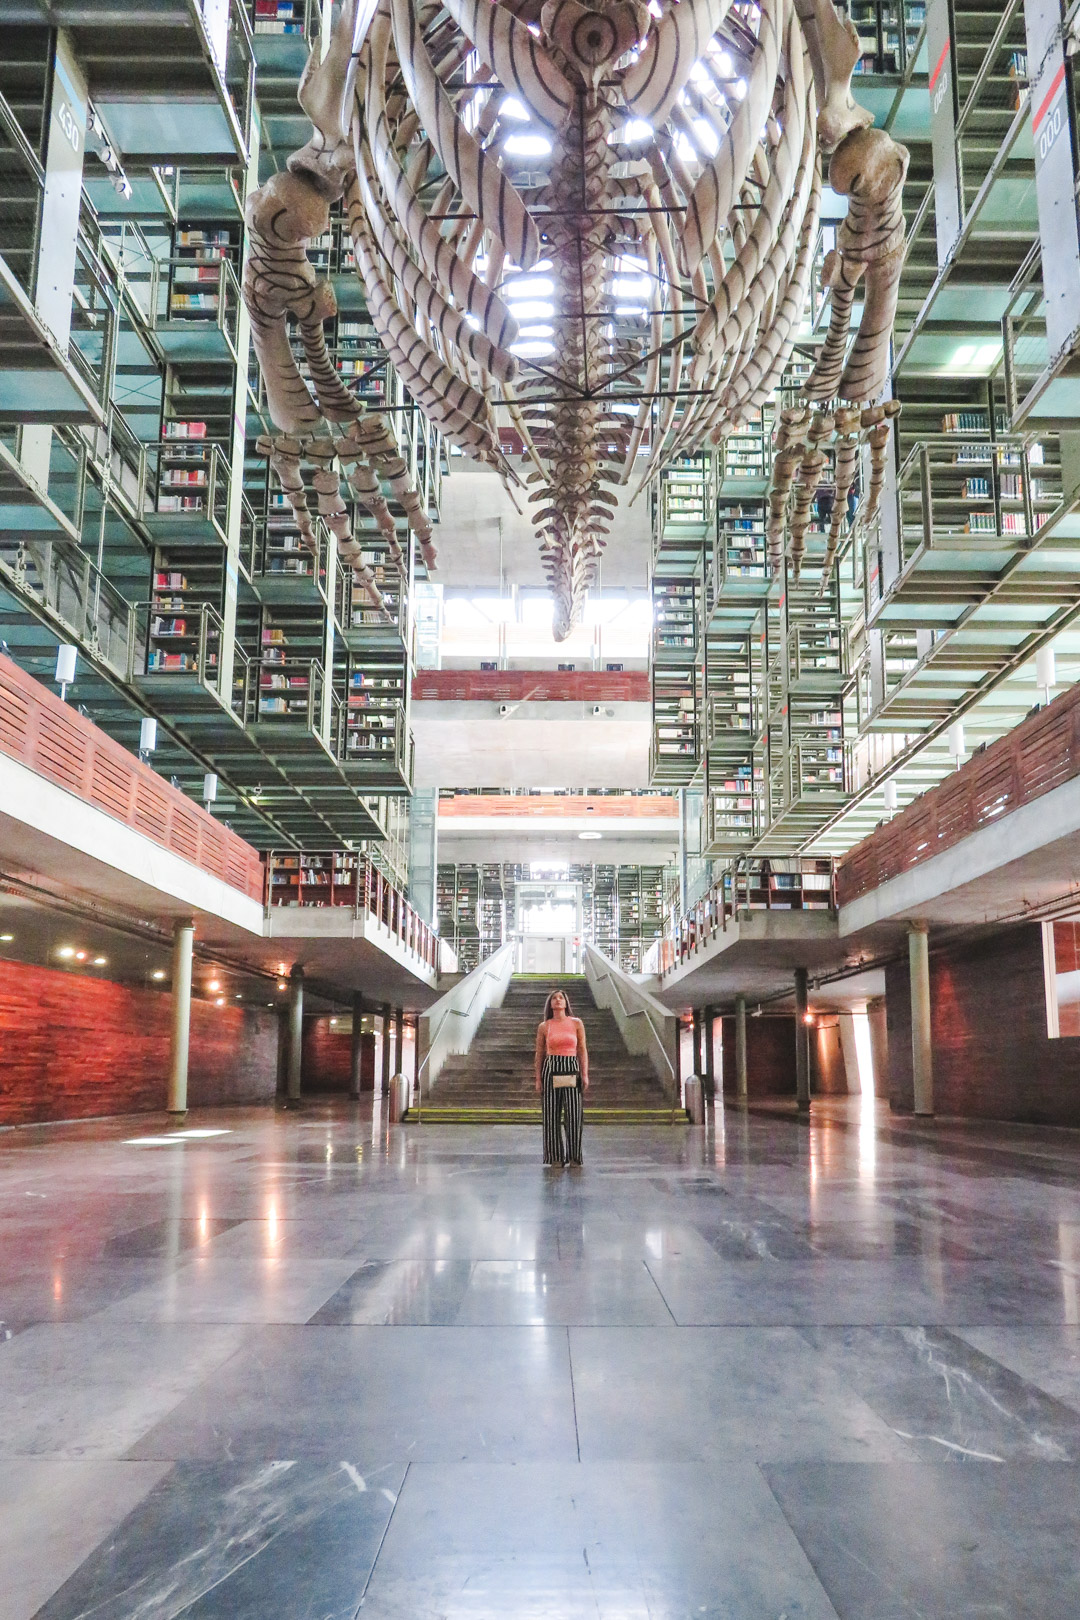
(547,1004)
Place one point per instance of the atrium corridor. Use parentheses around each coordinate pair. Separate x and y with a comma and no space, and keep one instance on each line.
(303,1366)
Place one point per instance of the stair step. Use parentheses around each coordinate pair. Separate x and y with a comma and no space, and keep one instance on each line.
(493,1081)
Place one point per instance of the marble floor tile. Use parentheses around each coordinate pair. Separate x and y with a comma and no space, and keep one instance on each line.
(671,1394)
(53,1514)
(90,1389)
(211,1290)
(234,1541)
(948,1399)
(1048,1358)
(982,1542)
(614,1293)
(167,1238)
(627,1541)
(408,1393)
(395,1293)
(71,1288)
(902,1290)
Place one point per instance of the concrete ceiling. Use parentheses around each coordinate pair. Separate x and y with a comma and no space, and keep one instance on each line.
(473,745)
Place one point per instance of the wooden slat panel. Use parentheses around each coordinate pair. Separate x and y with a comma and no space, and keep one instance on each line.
(14,719)
(184,834)
(1037,756)
(111,782)
(59,750)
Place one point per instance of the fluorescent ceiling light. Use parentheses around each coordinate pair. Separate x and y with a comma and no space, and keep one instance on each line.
(590,835)
(629,286)
(529,286)
(536,310)
(536,332)
(527,145)
(532,350)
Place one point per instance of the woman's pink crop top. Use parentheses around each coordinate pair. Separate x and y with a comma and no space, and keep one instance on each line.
(561,1038)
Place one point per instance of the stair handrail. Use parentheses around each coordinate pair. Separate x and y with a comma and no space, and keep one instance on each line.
(644,1022)
(449,1025)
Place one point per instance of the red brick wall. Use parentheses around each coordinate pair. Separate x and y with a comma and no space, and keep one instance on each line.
(326,1058)
(72,1047)
(992,1056)
(770,1056)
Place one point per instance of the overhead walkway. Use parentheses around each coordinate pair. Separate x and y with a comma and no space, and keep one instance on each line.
(83,819)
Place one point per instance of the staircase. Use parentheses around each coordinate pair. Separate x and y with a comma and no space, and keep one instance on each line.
(493,1082)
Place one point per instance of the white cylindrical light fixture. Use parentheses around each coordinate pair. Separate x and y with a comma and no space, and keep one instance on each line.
(209,787)
(1046,670)
(66,656)
(890,797)
(956,739)
(147,734)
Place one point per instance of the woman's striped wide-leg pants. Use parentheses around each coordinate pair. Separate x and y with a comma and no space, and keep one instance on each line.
(563,1114)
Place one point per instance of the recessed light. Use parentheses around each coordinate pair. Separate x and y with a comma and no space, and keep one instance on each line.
(220,1002)
(80,956)
(590,835)
(215,984)
(66,950)
(6,939)
(100,961)
(158,973)
(282,985)
(333,1020)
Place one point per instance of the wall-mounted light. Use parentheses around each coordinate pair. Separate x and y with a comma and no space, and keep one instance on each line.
(891,799)
(215,984)
(956,740)
(209,788)
(66,951)
(808,1018)
(147,736)
(6,939)
(158,973)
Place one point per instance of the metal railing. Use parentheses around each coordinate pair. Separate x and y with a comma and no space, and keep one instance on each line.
(751,883)
(182,641)
(337,878)
(203,496)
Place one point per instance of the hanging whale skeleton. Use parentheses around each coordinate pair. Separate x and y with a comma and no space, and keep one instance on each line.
(588,225)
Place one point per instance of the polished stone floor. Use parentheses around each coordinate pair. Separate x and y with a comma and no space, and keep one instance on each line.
(313,1368)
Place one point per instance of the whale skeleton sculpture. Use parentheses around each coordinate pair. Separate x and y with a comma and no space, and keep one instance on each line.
(593,226)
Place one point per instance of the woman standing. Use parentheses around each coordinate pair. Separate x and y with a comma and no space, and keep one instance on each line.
(562,1075)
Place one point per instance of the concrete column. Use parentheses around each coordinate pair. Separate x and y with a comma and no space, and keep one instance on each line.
(386,1036)
(698,1064)
(921,1058)
(183,940)
(296,1035)
(802,1042)
(357,1048)
(740,1048)
(399,1041)
(710,1056)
